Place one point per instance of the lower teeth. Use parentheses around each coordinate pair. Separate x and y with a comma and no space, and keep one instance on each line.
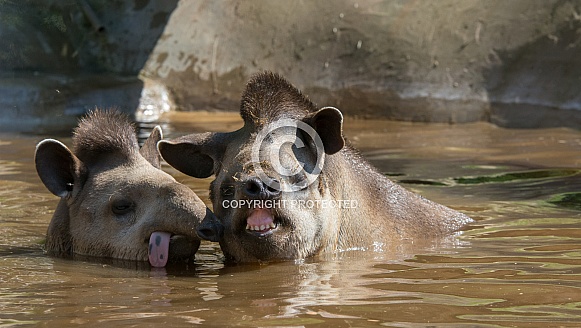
(261,228)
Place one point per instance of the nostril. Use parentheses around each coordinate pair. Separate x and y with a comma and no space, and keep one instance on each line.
(257,189)
(209,234)
(253,187)
(272,190)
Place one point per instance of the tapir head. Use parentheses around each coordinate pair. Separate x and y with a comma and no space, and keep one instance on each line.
(116,202)
(271,176)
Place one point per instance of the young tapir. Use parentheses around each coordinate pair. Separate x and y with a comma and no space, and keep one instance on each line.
(282,207)
(116,202)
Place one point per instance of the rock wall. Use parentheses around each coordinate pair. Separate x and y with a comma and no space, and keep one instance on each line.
(516,63)
(60,58)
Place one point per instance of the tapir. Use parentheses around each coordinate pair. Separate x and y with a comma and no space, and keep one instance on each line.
(289,186)
(115,201)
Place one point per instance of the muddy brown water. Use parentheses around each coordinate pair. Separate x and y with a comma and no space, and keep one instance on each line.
(518,265)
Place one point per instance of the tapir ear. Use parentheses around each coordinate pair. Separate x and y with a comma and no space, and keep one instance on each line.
(149,148)
(328,122)
(194,154)
(58,168)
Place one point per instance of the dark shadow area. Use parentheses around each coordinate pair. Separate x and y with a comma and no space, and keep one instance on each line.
(537,84)
(62,58)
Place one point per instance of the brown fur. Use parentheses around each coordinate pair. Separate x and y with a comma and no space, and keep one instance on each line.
(101,133)
(386,212)
(114,194)
(269,97)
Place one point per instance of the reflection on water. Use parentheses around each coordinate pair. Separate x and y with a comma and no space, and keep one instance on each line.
(519,264)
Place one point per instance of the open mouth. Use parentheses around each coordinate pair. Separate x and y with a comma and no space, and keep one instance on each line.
(260,222)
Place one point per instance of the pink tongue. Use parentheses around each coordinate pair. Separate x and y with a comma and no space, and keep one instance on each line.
(260,217)
(159,249)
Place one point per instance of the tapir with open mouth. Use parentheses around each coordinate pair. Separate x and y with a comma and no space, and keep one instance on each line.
(287,186)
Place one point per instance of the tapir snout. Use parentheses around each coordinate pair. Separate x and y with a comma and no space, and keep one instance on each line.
(210,229)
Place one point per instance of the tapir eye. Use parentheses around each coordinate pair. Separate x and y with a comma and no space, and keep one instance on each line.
(227,191)
(122,206)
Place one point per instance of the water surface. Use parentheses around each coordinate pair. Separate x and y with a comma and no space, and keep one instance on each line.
(518,265)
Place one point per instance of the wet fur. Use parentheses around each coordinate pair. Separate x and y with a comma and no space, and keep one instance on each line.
(387,212)
(269,97)
(106,161)
(102,133)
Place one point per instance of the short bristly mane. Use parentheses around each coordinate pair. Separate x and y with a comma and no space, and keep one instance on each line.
(268,97)
(103,132)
